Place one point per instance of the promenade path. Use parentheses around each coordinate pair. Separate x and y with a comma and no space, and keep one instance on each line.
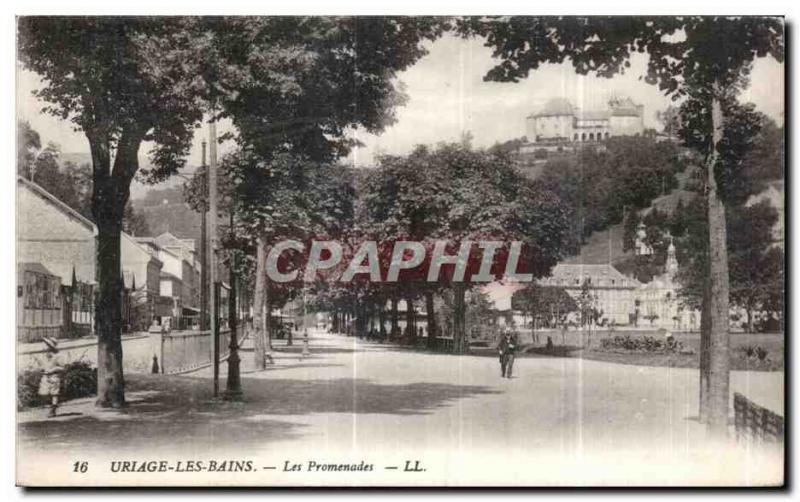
(559,421)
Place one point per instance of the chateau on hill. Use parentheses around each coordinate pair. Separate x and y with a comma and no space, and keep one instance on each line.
(559,124)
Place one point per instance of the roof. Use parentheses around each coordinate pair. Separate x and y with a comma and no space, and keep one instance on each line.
(593,115)
(189,243)
(35,267)
(169,239)
(167,275)
(138,243)
(570,271)
(556,107)
(624,107)
(38,190)
(625,112)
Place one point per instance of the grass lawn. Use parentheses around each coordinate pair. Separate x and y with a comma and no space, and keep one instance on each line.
(576,344)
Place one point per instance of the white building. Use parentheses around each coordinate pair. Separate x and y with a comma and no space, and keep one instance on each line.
(559,121)
(659,305)
(614,293)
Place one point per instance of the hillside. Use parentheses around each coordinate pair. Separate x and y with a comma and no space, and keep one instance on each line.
(139,190)
(602,247)
(176,218)
(606,246)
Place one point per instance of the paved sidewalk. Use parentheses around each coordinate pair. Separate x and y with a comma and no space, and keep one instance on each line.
(558,421)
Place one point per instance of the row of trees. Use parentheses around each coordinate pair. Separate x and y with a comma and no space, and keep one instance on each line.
(127,81)
(452,194)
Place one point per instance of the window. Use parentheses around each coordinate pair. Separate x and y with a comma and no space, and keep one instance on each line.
(41,291)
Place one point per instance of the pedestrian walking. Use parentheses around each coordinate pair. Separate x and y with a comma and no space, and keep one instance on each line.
(50,385)
(306,352)
(507,350)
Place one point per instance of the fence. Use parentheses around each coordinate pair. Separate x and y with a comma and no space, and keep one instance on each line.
(182,351)
(441,343)
(756,424)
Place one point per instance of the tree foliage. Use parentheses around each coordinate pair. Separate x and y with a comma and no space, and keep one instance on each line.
(600,187)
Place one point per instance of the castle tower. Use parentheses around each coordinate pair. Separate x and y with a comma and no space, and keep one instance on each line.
(672,259)
(640,246)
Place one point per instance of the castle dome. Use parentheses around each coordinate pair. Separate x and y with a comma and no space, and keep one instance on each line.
(556,107)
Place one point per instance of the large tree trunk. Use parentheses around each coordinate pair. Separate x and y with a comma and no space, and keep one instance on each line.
(432,331)
(459,319)
(268,327)
(259,303)
(108,317)
(110,193)
(382,320)
(411,334)
(705,333)
(395,319)
(360,320)
(719,341)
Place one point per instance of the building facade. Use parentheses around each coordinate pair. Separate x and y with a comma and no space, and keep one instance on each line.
(614,293)
(560,122)
(658,305)
(56,248)
(179,278)
(141,272)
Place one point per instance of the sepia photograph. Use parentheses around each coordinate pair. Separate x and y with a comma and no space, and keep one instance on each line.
(400,251)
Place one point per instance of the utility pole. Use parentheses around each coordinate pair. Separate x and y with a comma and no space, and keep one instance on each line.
(212,189)
(204,248)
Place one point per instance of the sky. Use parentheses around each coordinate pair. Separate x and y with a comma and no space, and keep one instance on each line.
(448,97)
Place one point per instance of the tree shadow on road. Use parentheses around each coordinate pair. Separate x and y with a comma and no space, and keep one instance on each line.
(283,366)
(174,413)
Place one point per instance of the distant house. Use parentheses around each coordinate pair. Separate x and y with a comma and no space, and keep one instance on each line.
(141,270)
(558,121)
(615,293)
(179,277)
(40,309)
(180,259)
(54,243)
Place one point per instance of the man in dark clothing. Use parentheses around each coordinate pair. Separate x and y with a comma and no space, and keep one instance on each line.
(506,349)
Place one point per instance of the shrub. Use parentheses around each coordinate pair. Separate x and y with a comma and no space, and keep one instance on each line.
(641,344)
(28,389)
(79,379)
(754,353)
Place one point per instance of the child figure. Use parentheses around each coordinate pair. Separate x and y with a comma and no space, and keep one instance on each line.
(50,384)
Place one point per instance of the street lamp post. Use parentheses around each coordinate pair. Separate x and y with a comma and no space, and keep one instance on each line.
(233,385)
